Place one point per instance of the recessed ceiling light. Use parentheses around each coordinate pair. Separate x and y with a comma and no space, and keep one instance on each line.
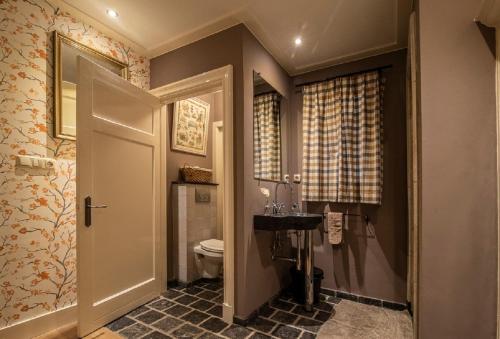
(298,41)
(112,13)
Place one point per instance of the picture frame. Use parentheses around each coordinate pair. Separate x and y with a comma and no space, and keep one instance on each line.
(190,126)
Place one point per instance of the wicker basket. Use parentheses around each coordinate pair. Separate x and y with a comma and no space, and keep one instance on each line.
(195,174)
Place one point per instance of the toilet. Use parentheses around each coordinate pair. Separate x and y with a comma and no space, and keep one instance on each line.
(209,255)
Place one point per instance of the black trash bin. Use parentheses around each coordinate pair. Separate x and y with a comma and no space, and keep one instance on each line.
(298,284)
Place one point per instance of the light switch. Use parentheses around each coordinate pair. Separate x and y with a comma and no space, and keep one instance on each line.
(35,162)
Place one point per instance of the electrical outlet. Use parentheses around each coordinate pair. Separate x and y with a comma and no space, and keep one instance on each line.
(296,179)
(286,178)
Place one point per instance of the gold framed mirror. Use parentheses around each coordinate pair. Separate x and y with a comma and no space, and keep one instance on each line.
(66,51)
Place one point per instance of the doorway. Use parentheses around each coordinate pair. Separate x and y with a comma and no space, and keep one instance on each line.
(216,81)
(117,298)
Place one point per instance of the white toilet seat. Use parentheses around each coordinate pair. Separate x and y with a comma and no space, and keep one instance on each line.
(216,255)
(209,257)
(213,245)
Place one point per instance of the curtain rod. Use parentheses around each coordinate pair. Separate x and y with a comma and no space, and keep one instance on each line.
(344,75)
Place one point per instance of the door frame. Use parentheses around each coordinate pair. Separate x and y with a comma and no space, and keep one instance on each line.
(211,81)
(413,171)
(489,14)
(217,125)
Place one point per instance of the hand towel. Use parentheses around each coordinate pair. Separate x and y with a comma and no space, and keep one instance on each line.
(335,223)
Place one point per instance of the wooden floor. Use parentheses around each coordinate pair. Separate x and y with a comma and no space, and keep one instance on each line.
(69,332)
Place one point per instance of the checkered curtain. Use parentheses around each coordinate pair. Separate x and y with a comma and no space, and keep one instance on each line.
(266,137)
(342,149)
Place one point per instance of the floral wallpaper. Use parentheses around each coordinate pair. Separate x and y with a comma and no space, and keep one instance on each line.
(37,212)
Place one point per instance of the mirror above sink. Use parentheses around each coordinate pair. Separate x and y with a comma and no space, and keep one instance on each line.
(268,113)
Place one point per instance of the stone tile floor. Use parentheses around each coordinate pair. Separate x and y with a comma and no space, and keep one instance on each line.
(196,312)
(359,321)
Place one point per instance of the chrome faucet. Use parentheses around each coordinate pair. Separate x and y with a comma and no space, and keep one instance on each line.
(278,206)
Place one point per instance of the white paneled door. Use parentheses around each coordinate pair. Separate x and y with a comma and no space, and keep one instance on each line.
(118,195)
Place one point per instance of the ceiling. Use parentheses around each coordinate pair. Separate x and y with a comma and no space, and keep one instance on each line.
(332,31)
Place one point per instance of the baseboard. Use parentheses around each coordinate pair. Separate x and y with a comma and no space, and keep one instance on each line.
(245,321)
(176,283)
(364,300)
(41,324)
(409,306)
(227,313)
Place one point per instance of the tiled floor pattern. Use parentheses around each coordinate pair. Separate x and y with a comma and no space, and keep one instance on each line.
(196,312)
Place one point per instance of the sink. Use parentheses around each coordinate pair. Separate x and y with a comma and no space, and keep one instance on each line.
(289,221)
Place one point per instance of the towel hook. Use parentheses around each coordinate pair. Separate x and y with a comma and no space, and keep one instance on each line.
(365,217)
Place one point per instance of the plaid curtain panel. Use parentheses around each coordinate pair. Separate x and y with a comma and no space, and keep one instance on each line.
(266,137)
(342,149)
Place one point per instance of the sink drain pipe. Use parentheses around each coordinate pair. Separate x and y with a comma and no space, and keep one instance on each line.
(308,262)
(275,248)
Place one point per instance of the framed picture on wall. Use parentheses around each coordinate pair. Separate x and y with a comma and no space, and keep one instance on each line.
(190,126)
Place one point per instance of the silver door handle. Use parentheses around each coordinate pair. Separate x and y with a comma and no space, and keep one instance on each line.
(97,206)
(88,210)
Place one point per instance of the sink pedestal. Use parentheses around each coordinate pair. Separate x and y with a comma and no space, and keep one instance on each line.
(308,269)
(300,222)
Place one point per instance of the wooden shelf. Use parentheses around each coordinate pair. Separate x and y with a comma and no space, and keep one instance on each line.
(194,183)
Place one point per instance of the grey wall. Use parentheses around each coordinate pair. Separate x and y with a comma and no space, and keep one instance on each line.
(458,149)
(372,260)
(178,159)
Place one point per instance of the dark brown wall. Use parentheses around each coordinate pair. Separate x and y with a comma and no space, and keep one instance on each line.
(257,277)
(373,266)
(458,141)
(260,278)
(219,50)
(178,159)
(372,261)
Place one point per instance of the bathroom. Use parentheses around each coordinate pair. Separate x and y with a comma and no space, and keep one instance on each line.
(117,223)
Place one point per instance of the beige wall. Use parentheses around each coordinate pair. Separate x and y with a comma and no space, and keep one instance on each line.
(372,260)
(458,254)
(37,212)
